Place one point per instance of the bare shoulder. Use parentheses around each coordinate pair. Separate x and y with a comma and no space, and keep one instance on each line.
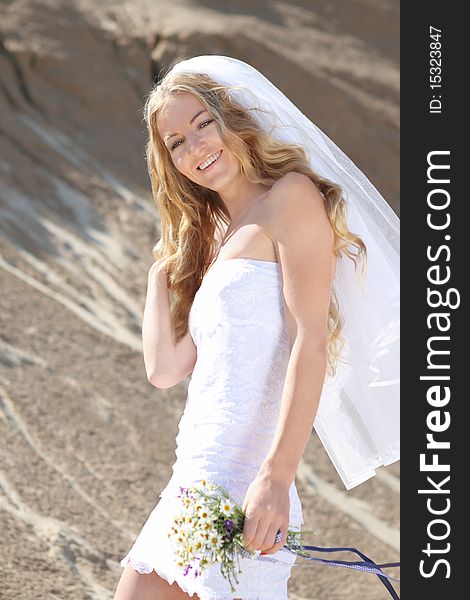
(294,180)
(294,201)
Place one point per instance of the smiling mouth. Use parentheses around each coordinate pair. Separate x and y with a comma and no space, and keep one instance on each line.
(209,161)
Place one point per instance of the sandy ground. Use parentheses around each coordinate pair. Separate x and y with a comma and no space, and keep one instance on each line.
(86,442)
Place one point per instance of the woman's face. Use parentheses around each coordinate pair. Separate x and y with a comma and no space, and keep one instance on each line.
(193,141)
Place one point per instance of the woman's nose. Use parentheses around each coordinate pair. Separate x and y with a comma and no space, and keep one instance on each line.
(195,143)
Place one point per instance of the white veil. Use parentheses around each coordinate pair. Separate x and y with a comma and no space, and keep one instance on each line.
(358,416)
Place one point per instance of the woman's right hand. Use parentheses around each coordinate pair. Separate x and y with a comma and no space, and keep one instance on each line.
(157,269)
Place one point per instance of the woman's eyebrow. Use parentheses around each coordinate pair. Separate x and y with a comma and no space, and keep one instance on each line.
(190,122)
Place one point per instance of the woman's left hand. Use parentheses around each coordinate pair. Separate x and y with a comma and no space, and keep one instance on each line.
(266,507)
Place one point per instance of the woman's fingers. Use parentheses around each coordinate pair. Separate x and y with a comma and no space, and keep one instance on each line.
(250,529)
(270,544)
(268,540)
(257,542)
(263,537)
(266,508)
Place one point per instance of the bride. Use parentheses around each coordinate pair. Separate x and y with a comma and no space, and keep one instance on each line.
(250,293)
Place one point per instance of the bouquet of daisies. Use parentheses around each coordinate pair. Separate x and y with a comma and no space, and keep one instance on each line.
(208,528)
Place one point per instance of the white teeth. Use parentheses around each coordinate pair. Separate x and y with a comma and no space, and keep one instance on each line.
(209,161)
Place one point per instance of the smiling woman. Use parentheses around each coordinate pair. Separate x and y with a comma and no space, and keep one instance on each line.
(198,151)
(262,334)
(236,188)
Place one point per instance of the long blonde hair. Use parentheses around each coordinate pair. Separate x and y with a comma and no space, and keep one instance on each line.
(190,213)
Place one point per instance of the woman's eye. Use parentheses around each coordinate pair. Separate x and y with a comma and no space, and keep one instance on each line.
(203,124)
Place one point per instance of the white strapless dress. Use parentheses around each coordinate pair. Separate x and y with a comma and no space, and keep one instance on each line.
(238,325)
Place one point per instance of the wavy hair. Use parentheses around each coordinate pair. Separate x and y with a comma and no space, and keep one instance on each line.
(190,214)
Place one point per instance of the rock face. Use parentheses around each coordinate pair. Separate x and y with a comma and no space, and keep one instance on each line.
(86,442)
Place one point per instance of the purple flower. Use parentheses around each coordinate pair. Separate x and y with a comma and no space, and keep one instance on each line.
(182,491)
(186,571)
(229,529)
(229,525)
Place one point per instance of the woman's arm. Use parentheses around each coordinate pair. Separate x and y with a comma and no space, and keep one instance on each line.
(301,231)
(166,363)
